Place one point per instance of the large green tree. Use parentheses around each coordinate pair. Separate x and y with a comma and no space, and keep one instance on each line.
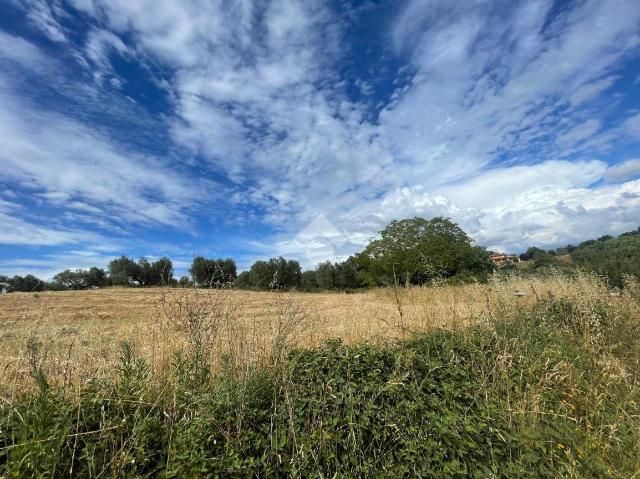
(80,278)
(68,279)
(416,250)
(125,271)
(309,280)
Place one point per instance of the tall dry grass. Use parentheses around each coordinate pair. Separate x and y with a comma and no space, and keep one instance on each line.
(75,336)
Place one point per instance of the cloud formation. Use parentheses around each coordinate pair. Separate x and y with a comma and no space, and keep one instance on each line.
(516,119)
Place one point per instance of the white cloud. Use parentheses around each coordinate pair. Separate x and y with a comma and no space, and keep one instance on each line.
(18,231)
(547,205)
(548,215)
(253,90)
(499,185)
(580,132)
(70,164)
(623,171)
(488,119)
(555,216)
(17,49)
(97,50)
(48,266)
(44,15)
(485,85)
(481,87)
(589,91)
(68,160)
(632,125)
(318,241)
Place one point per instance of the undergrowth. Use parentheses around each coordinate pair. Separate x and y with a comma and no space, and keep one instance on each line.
(549,392)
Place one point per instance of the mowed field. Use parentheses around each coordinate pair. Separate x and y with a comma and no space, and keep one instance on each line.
(76,336)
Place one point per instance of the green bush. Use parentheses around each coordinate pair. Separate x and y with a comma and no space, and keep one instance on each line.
(614,257)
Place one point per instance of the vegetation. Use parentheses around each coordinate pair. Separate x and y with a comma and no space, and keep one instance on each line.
(613,258)
(124,271)
(419,250)
(213,272)
(81,278)
(409,251)
(333,276)
(28,283)
(536,387)
(276,273)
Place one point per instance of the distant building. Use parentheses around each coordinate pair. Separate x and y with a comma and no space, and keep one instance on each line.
(501,259)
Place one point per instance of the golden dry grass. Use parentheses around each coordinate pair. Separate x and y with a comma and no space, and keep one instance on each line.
(78,333)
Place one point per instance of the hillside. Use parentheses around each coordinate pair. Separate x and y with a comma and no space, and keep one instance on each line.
(613,257)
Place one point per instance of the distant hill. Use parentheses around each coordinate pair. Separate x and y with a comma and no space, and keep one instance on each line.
(614,257)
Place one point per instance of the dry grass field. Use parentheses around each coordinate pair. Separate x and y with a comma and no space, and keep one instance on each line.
(521,377)
(75,336)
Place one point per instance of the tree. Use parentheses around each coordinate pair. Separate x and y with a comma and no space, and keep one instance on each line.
(261,275)
(338,275)
(185,282)
(243,280)
(292,277)
(417,250)
(95,277)
(615,257)
(309,280)
(123,270)
(477,263)
(68,279)
(5,285)
(199,270)
(277,273)
(540,257)
(143,274)
(28,284)
(346,275)
(80,279)
(213,272)
(632,232)
(162,272)
(326,275)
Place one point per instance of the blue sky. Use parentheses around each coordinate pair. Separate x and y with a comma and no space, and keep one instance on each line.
(225,128)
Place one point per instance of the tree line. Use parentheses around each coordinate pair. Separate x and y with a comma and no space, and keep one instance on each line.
(122,271)
(408,251)
(612,257)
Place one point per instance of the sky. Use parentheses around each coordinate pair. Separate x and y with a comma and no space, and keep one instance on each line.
(253,128)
